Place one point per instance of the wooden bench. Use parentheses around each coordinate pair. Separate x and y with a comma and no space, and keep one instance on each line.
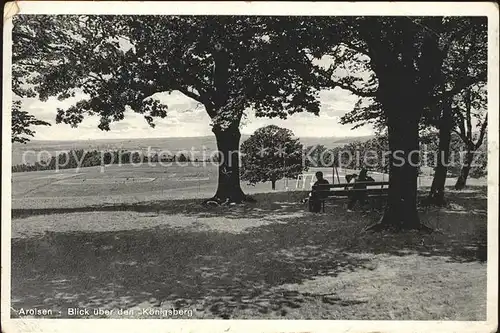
(326,191)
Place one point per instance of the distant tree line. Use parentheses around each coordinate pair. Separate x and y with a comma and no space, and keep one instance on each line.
(369,153)
(89,158)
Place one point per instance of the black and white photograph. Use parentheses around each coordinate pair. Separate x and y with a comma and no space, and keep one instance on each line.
(197,166)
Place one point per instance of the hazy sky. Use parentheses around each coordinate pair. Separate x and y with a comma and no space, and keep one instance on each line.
(186,119)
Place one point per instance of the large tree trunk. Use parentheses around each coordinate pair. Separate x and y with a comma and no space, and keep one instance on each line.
(403,94)
(401,210)
(228,186)
(228,139)
(464,173)
(436,195)
(273,184)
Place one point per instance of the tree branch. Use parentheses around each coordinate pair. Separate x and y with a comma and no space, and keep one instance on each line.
(468,106)
(199,99)
(97,77)
(356,91)
(462,84)
(189,94)
(463,137)
(355,48)
(204,91)
(461,125)
(482,132)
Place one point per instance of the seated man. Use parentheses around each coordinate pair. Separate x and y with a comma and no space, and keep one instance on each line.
(359,196)
(348,178)
(315,203)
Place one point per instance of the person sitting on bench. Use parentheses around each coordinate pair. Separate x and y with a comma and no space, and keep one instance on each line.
(315,204)
(348,178)
(359,196)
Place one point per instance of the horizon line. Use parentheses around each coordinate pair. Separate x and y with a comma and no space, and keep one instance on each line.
(188,137)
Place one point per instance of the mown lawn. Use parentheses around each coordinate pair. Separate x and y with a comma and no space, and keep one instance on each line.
(271,259)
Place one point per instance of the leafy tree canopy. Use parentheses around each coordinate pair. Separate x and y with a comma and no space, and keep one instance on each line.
(21,123)
(270,154)
(226,63)
(460,47)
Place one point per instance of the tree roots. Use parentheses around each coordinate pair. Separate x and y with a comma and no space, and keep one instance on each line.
(216,201)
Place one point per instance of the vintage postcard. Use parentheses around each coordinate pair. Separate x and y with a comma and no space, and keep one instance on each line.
(250,166)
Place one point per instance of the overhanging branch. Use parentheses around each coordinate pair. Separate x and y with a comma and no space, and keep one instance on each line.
(208,107)
(189,94)
(356,91)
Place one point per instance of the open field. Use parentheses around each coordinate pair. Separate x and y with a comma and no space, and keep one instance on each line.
(131,184)
(271,259)
(137,237)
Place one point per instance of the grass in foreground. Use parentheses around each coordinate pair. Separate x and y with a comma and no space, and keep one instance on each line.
(282,263)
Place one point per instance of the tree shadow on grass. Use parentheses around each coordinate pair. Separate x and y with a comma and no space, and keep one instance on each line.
(267,204)
(217,273)
(209,271)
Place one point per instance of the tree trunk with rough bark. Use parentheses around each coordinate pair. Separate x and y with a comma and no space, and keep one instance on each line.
(436,194)
(228,186)
(401,210)
(403,93)
(228,139)
(464,173)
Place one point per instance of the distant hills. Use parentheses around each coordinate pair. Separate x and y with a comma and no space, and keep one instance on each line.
(177,142)
(168,144)
(332,142)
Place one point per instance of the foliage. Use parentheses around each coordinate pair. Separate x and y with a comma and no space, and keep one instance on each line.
(354,155)
(21,123)
(459,61)
(319,156)
(270,154)
(21,119)
(121,62)
(430,153)
(463,45)
(228,64)
(480,163)
(372,154)
(471,118)
(464,67)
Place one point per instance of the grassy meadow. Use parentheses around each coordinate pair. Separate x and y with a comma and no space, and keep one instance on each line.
(271,259)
